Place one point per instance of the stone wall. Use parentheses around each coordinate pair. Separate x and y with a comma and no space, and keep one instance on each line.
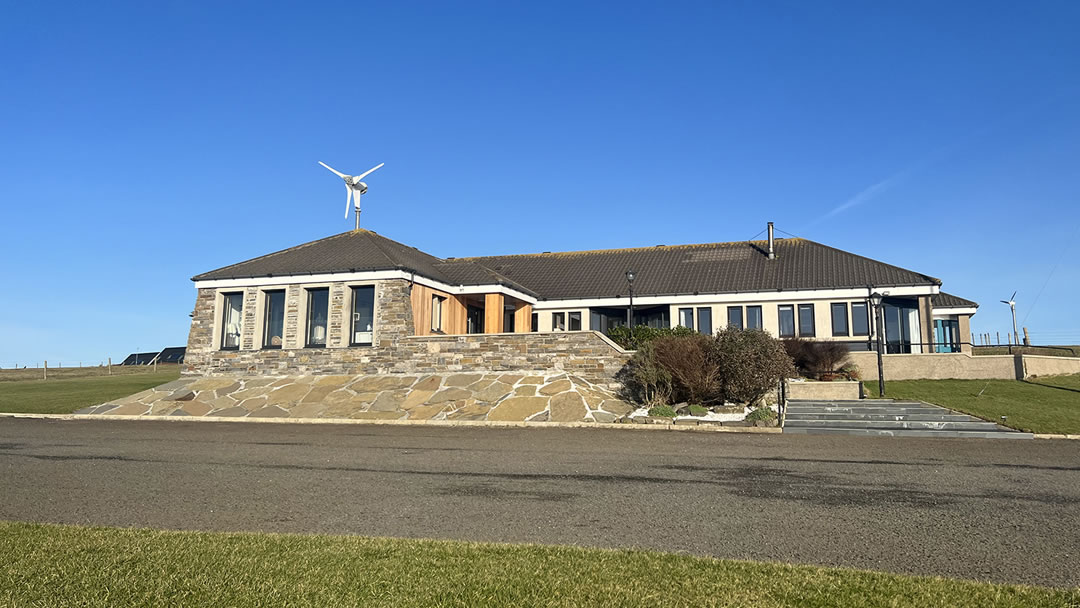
(1036,365)
(396,350)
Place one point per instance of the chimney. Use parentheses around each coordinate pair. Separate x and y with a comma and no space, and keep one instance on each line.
(772,252)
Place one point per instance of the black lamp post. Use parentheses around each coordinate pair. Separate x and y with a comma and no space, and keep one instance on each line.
(630,313)
(879,326)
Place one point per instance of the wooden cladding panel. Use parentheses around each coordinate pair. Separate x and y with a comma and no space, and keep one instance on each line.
(493,313)
(523,318)
(453,311)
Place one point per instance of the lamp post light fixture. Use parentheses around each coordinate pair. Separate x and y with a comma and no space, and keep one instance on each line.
(879,326)
(630,313)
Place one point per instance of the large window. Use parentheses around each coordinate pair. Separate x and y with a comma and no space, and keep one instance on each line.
(704,320)
(686,317)
(231,320)
(806,320)
(734,316)
(437,313)
(558,321)
(786,314)
(536,321)
(839,319)
(363,315)
(860,321)
(575,321)
(274,319)
(753,317)
(318,306)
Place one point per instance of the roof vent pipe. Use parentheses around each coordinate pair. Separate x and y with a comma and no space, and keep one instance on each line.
(772,252)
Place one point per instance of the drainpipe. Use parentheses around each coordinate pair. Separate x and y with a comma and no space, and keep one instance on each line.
(772,252)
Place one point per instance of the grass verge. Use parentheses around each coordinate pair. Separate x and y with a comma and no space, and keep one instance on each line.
(51,565)
(1044,405)
(63,396)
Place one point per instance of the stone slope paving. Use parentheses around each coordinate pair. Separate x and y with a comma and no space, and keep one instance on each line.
(535,397)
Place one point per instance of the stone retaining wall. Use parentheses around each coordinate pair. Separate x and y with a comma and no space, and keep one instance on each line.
(940,366)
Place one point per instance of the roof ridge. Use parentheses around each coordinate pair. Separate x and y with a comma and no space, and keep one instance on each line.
(617,249)
(283,251)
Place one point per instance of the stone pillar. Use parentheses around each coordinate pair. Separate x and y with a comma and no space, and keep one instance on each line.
(292,337)
(249,324)
(338,321)
(964,322)
(201,335)
(493,313)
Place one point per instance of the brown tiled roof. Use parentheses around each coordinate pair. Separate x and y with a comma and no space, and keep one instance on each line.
(947,300)
(681,269)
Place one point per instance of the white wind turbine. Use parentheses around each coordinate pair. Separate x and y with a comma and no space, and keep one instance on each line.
(354,188)
(1012,305)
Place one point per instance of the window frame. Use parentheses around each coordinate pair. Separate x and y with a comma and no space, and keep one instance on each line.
(780,308)
(308,310)
(570,320)
(813,321)
(865,316)
(352,313)
(555,326)
(843,308)
(739,309)
(760,317)
(225,295)
(682,313)
(708,314)
(535,326)
(437,306)
(267,294)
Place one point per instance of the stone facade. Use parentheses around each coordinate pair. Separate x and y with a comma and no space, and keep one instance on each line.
(396,349)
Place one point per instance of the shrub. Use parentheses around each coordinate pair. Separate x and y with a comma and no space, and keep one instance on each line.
(698,410)
(761,413)
(692,362)
(751,363)
(645,380)
(815,359)
(643,334)
(662,411)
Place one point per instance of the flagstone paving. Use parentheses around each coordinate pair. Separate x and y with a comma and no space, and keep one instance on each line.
(536,396)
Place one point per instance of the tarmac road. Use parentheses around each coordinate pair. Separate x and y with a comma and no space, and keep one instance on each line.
(981,509)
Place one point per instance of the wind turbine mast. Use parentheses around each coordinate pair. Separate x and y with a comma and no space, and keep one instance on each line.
(354,188)
(1012,305)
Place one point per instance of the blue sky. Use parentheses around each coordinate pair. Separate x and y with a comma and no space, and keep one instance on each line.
(144,143)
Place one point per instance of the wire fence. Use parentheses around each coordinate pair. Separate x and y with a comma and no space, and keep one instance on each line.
(46,370)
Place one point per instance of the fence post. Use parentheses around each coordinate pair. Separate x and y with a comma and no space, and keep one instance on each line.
(45,371)
(110,366)
(1027,338)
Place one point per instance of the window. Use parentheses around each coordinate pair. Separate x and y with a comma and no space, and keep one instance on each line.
(274,319)
(704,320)
(536,321)
(734,316)
(318,305)
(558,321)
(806,320)
(753,317)
(363,315)
(686,317)
(575,321)
(860,321)
(786,313)
(230,321)
(839,319)
(436,312)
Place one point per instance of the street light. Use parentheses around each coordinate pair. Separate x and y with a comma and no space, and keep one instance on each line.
(875,301)
(630,313)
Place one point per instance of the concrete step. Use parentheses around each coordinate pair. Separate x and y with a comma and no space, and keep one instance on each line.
(912,417)
(892,411)
(909,433)
(894,424)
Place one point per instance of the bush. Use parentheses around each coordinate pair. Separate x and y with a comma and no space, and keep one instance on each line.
(816,359)
(761,413)
(662,411)
(752,363)
(643,334)
(698,410)
(740,365)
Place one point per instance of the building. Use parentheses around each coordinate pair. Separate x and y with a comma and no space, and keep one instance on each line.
(362,303)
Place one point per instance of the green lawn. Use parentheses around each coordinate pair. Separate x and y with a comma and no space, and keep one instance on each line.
(48,565)
(63,396)
(1046,405)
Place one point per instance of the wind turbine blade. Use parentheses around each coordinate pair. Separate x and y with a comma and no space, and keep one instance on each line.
(1004,301)
(1012,298)
(333,170)
(348,199)
(368,172)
